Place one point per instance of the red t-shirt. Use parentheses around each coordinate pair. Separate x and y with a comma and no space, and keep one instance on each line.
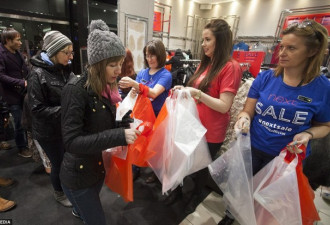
(228,80)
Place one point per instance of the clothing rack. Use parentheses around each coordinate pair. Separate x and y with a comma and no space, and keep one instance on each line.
(190,60)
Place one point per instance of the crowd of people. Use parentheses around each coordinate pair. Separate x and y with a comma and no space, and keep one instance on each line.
(282,108)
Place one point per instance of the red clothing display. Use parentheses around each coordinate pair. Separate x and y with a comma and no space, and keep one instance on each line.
(215,122)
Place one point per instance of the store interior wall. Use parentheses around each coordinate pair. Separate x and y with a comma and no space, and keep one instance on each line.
(141,8)
(260,17)
(138,11)
(257,17)
(178,22)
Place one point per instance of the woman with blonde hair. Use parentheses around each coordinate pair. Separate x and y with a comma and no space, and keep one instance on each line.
(288,106)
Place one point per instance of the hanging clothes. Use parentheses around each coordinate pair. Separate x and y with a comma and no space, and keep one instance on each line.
(259,47)
(241,46)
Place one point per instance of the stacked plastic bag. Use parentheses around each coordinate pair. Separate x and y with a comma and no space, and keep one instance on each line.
(178,141)
(232,171)
(279,194)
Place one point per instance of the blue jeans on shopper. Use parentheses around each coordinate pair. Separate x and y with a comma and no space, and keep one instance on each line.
(54,151)
(86,202)
(20,133)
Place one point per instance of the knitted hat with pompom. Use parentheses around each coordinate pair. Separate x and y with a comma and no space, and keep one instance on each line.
(54,41)
(102,43)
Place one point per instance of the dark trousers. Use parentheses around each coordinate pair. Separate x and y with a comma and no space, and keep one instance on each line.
(260,159)
(54,151)
(87,203)
(202,176)
(20,133)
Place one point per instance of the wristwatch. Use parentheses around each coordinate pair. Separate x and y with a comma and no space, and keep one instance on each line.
(198,95)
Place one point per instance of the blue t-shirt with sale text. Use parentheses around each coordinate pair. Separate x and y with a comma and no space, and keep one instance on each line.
(282,111)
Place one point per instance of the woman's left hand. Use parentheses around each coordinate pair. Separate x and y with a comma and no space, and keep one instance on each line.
(299,139)
(302,138)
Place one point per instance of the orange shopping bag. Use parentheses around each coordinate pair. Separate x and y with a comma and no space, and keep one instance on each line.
(284,195)
(144,112)
(308,210)
(309,213)
(119,177)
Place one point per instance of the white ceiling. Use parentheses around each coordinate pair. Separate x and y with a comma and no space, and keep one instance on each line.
(212,1)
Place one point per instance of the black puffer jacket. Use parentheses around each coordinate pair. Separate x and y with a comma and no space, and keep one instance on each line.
(176,60)
(88,128)
(45,86)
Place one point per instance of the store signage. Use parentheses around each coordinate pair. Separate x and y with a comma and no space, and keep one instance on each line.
(322,18)
(254,59)
(157,21)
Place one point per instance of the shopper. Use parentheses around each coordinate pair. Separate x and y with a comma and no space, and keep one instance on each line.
(88,123)
(50,72)
(290,104)
(155,78)
(5,204)
(127,70)
(13,72)
(214,86)
(189,54)
(175,61)
(168,57)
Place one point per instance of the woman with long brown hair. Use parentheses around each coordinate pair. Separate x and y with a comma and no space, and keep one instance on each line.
(214,86)
(89,126)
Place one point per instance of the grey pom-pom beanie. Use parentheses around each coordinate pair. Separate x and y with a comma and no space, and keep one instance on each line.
(102,43)
(54,41)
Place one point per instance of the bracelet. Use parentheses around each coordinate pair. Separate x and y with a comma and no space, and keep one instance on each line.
(308,132)
(198,95)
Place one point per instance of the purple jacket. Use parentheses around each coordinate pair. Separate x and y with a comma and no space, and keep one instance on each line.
(12,77)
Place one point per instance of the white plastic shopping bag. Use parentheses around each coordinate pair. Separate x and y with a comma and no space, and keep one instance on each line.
(124,106)
(232,172)
(277,194)
(182,149)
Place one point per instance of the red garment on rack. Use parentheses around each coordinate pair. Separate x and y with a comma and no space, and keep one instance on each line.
(274,59)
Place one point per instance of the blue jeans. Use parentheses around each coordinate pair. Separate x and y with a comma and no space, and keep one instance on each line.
(54,151)
(20,133)
(87,203)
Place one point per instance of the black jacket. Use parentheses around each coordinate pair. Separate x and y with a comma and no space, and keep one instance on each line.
(176,60)
(88,128)
(45,86)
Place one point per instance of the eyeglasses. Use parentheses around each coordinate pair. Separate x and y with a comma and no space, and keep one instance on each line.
(304,24)
(150,56)
(68,53)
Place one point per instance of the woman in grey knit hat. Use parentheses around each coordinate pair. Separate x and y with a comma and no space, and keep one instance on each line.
(89,126)
(50,72)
